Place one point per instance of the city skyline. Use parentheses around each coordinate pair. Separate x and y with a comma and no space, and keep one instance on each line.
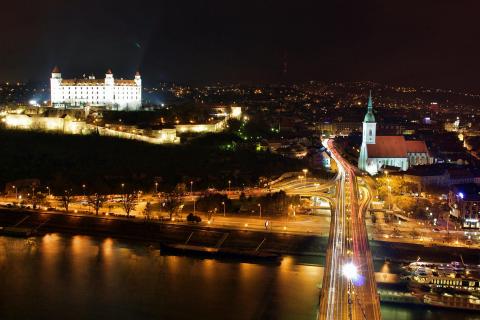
(427,44)
(239,160)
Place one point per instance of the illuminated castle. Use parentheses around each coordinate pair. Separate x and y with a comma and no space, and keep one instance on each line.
(116,94)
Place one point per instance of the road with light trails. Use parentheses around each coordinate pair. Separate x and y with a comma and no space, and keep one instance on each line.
(305,187)
(348,290)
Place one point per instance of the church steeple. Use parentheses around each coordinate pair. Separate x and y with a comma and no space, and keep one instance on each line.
(370,103)
(369,124)
(369,132)
(369,117)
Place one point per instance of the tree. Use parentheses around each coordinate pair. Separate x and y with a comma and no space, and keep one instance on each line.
(96,202)
(210,201)
(180,188)
(278,203)
(389,185)
(129,202)
(242,197)
(147,211)
(396,232)
(36,198)
(415,234)
(66,199)
(172,203)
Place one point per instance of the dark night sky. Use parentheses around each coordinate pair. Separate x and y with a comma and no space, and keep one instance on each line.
(430,42)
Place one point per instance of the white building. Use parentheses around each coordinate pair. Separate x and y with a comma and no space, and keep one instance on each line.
(379,152)
(116,94)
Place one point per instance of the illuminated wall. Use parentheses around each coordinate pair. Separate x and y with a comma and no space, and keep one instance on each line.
(202,128)
(236,112)
(165,136)
(26,122)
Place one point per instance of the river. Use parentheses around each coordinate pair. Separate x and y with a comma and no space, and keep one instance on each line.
(81,277)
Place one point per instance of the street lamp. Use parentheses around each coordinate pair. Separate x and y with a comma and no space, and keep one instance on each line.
(16,191)
(191,194)
(223,203)
(84,186)
(156,187)
(305,171)
(389,191)
(350,271)
(260,209)
(48,189)
(229,184)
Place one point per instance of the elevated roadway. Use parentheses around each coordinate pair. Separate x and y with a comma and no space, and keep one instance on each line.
(349,290)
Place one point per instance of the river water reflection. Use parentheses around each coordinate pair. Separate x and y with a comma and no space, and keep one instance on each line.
(80,277)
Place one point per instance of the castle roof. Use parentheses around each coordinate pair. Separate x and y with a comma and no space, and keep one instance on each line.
(82,82)
(394,147)
(122,82)
(56,70)
(95,82)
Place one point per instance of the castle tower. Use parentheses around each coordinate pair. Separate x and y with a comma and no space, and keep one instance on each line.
(55,90)
(368,134)
(138,81)
(109,89)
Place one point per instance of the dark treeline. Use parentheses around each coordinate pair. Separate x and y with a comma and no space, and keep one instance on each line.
(103,163)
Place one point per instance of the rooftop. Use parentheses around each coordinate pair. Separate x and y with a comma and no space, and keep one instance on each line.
(394,147)
(95,82)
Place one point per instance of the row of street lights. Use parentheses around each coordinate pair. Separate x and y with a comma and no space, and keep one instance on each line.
(19,197)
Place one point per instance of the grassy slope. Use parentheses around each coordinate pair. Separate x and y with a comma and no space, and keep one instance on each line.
(61,160)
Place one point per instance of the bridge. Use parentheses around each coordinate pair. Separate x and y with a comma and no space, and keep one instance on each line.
(349,290)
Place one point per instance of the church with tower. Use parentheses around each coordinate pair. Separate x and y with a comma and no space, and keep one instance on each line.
(378,153)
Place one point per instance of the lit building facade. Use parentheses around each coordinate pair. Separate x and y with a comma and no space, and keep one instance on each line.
(116,94)
(464,201)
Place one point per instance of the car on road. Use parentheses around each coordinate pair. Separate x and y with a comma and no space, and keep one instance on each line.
(193,218)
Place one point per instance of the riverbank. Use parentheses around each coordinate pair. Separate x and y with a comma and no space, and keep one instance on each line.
(156,232)
(201,235)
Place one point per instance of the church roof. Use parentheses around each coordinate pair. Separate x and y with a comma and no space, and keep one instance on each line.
(395,147)
(387,147)
(416,146)
(369,117)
